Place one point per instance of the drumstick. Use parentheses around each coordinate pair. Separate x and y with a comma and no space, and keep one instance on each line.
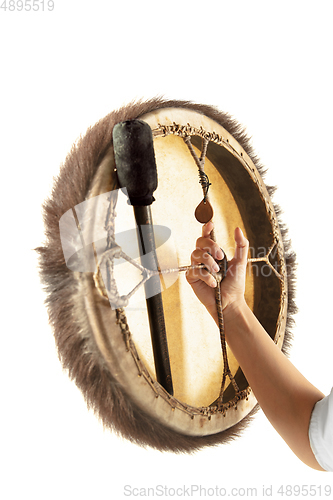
(137,172)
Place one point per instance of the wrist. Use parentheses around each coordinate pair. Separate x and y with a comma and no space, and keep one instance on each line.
(235,311)
(231,312)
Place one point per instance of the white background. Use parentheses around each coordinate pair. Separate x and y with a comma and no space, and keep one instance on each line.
(269,64)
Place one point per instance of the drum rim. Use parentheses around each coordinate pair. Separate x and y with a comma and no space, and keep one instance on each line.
(65,351)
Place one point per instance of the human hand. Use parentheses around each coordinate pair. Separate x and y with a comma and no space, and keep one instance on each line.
(203,283)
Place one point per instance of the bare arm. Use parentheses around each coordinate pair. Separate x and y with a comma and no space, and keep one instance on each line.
(285,396)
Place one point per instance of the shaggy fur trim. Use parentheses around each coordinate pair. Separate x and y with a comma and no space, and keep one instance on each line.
(77,350)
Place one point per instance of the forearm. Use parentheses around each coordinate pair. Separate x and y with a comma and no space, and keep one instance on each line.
(286,397)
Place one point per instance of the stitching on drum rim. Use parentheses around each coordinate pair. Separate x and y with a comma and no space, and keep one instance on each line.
(205,411)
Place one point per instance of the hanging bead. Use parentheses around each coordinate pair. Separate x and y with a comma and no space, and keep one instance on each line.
(204,212)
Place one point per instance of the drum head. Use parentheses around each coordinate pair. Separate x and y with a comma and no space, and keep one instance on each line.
(106,349)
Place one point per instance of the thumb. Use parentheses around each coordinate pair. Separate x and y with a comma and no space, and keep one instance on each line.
(242,247)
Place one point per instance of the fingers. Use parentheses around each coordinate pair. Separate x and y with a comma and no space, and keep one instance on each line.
(195,276)
(209,246)
(202,256)
(242,244)
(207,229)
(205,253)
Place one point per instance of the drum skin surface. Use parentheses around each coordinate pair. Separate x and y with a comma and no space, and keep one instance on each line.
(107,351)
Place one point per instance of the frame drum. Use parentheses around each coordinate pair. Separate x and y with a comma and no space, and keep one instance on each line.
(107,350)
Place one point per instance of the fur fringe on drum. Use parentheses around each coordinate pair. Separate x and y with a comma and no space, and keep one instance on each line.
(76,347)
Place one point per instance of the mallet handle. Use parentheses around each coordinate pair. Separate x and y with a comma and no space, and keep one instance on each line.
(137,172)
(154,301)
